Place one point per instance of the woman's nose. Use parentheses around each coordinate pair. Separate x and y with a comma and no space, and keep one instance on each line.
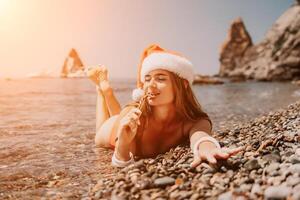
(152,83)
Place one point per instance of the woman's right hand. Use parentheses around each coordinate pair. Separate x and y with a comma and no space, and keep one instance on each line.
(128,126)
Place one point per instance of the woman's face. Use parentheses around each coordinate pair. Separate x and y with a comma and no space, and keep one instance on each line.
(159,88)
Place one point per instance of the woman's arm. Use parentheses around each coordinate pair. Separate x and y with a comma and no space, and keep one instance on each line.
(205,147)
(200,129)
(126,131)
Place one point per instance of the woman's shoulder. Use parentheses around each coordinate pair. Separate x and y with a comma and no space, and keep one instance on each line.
(202,124)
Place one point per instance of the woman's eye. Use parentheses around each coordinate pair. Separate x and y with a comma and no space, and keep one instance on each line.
(161,78)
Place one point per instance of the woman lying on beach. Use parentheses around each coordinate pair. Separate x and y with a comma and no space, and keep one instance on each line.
(168,113)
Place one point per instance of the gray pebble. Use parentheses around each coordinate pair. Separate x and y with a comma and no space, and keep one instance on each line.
(164,181)
(293,180)
(294,159)
(252,164)
(272,157)
(256,189)
(277,192)
(295,168)
(296,195)
(272,167)
(226,196)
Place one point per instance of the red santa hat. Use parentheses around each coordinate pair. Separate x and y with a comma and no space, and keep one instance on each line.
(155,57)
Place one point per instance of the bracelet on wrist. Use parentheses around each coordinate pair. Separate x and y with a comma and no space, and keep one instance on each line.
(205,139)
(120,163)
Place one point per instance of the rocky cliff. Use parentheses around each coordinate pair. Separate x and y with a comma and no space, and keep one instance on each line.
(73,66)
(276,57)
(234,48)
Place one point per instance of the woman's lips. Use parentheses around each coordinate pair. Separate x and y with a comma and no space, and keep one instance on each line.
(152,95)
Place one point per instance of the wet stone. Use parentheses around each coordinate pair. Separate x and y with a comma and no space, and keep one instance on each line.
(297,152)
(277,180)
(272,157)
(296,195)
(272,167)
(256,189)
(293,180)
(277,192)
(164,181)
(288,153)
(195,196)
(226,196)
(295,168)
(144,184)
(139,164)
(252,164)
(294,159)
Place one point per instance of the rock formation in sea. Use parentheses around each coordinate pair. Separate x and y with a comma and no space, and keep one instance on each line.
(233,49)
(276,57)
(73,66)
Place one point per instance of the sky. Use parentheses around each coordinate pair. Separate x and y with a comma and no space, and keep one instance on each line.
(37,35)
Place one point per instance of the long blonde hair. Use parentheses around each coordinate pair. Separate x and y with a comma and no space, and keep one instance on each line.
(187,105)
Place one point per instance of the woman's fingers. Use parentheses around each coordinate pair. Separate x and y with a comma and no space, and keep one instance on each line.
(199,157)
(221,154)
(210,158)
(136,111)
(133,116)
(196,162)
(132,121)
(132,126)
(233,151)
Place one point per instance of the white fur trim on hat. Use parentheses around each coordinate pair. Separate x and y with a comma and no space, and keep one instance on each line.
(167,61)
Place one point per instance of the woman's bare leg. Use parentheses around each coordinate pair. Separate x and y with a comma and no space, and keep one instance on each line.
(102,113)
(106,106)
(112,103)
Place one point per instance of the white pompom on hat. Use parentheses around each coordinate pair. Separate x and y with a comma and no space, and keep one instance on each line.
(155,57)
(137,94)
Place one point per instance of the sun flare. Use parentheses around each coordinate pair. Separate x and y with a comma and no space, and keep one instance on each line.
(4,6)
(3,3)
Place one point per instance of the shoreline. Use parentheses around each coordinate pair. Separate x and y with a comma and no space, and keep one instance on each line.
(85,172)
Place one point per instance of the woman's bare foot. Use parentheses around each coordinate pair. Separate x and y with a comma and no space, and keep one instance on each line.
(99,75)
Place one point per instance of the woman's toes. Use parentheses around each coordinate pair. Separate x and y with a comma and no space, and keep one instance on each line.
(93,75)
(99,75)
(103,68)
(102,73)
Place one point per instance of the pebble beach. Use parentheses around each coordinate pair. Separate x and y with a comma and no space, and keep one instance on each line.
(268,168)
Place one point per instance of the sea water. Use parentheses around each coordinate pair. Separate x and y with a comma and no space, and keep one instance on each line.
(47,126)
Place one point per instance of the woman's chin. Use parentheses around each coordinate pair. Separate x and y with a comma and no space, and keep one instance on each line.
(152,102)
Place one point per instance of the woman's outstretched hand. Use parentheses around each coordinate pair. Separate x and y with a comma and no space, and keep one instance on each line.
(128,126)
(207,151)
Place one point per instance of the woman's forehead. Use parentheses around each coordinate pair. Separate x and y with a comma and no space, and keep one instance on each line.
(158,72)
